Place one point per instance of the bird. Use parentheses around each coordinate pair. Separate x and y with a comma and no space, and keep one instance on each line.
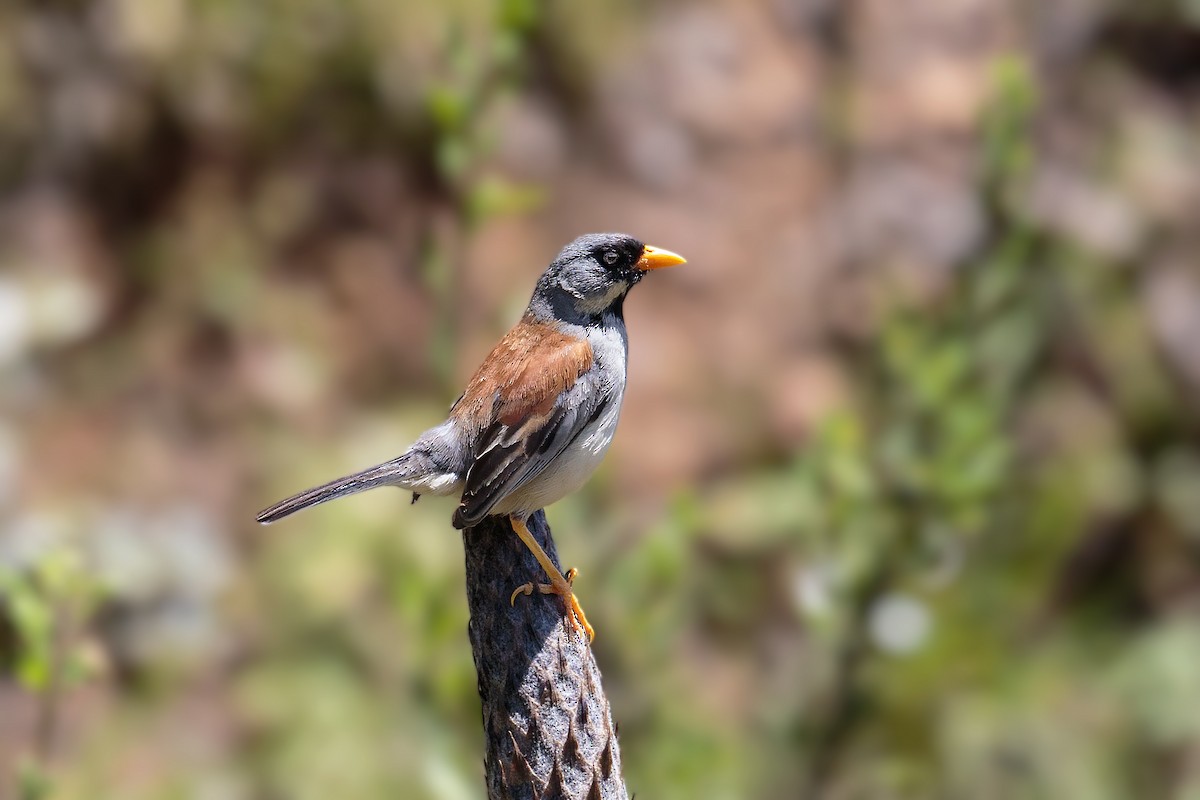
(537,416)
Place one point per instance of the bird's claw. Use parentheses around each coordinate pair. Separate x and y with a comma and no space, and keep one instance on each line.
(577,615)
(525,589)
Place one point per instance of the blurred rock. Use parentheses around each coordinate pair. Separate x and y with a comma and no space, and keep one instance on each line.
(925,66)
(124,562)
(10,465)
(1159,154)
(802,394)
(16,324)
(165,575)
(1172,297)
(1177,485)
(804,15)
(285,377)
(1063,30)
(899,211)
(812,591)
(142,30)
(532,138)
(728,80)
(900,624)
(1094,216)
(55,296)
(28,535)
(64,309)
(657,152)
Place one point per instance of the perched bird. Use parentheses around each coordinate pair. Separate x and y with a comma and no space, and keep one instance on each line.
(538,415)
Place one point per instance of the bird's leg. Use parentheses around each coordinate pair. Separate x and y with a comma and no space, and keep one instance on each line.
(558,584)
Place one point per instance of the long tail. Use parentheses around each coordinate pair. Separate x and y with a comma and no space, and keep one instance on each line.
(388,473)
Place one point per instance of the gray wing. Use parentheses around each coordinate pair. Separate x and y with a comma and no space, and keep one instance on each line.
(509,456)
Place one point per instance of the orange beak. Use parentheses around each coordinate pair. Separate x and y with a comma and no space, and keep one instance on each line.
(654,258)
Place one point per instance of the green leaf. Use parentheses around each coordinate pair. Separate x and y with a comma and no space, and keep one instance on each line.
(32,782)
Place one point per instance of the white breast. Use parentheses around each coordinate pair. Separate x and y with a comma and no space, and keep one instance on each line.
(573,467)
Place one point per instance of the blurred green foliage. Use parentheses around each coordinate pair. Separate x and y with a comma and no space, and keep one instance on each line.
(58,591)
(47,606)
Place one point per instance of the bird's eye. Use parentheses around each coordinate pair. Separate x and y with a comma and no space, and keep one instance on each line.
(610,257)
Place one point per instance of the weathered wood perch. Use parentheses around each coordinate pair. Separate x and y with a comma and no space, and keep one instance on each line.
(546,720)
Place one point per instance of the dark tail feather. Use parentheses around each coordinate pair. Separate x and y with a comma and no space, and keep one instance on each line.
(389,472)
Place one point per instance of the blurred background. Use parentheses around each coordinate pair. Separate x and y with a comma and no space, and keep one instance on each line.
(905,502)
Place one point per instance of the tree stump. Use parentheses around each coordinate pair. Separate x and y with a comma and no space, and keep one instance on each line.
(548,728)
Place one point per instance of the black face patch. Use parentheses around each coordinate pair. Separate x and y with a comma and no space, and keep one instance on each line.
(591,275)
(619,255)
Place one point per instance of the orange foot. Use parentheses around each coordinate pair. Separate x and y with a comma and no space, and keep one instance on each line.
(558,584)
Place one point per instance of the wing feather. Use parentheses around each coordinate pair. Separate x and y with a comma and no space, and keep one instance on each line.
(523,375)
(526,406)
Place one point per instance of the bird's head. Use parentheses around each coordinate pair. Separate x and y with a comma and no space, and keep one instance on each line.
(592,275)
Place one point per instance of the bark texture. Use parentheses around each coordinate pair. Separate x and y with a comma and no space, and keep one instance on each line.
(547,722)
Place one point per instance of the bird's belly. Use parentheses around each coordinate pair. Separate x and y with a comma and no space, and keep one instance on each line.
(569,471)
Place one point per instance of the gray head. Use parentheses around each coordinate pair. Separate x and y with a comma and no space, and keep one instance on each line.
(592,275)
